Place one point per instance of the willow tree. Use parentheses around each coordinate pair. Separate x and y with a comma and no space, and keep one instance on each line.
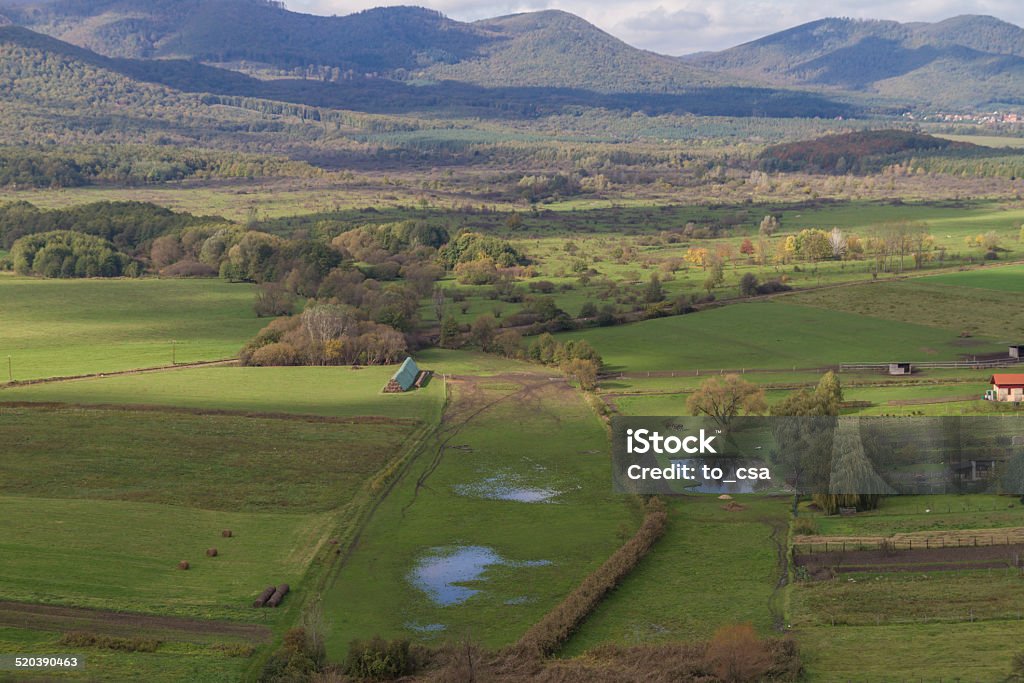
(853,482)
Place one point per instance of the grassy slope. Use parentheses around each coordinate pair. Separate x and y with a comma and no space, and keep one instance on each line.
(1003,279)
(336,391)
(69,327)
(982,312)
(550,438)
(767,334)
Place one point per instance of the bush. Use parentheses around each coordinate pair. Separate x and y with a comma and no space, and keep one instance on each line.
(299,657)
(189,269)
(554,628)
(277,354)
(748,284)
(805,526)
(736,654)
(380,659)
(773,286)
(134,644)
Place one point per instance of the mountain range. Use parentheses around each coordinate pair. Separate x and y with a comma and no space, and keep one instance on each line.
(409,58)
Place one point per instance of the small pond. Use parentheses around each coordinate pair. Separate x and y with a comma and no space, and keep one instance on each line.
(439,571)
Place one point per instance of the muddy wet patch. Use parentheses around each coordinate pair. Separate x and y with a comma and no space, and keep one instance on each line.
(507,487)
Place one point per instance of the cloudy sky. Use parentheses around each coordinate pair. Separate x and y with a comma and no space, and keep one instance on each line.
(681,26)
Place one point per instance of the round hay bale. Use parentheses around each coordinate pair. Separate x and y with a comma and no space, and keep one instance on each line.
(725,496)
(183,565)
(261,601)
(211,552)
(226,533)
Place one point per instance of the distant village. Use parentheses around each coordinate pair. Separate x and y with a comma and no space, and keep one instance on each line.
(993,118)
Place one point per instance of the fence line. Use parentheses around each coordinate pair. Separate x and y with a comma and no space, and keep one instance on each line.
(935,365)
(927,543)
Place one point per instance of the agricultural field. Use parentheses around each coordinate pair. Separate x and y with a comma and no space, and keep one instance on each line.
(1003,279)
(969,311)
(713,567)
(454,551)
(925,604)
(777,336)
(333,392)
(56,328)
(104,509)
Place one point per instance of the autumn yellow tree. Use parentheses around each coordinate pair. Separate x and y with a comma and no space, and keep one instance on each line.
(725,398)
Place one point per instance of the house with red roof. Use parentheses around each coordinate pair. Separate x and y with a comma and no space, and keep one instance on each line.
(1006,387)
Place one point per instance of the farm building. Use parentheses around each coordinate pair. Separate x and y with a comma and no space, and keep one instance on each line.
(1017,351)
(975,470)
(406,377)
(1006,387)
(900,369)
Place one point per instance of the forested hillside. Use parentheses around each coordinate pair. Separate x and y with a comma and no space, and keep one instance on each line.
(963,61)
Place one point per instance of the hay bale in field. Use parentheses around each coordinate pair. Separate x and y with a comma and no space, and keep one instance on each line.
(278,595)
(264,596)
(725,496)
(211,552)
(226,533)
(183,565)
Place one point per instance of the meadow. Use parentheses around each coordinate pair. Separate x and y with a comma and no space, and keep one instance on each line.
(335,392)
(54,328)
(119,555)
(713,567)
(773,335)
(981,313)
(213,462)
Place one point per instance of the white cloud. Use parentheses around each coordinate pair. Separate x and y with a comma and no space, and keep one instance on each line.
(682,26)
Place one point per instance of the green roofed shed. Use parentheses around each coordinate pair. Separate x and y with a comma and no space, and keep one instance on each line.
(404,378)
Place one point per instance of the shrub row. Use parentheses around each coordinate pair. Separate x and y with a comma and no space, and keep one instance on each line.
(84,639)
(548,634)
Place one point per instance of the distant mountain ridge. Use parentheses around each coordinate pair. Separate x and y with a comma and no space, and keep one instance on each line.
(966,62)
(553,49)
(963,61)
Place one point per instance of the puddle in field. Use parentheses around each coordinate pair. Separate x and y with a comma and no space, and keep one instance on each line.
(440,571)
(507,487)
(425,628)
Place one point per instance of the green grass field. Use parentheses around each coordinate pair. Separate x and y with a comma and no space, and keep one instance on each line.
(70,327)
(1001,279)
(124,555)
(324,391)
(539,436)
(906,514)
(713,567)
(770,335)
(979,651)
(172,662)
(211,462)
(986,313)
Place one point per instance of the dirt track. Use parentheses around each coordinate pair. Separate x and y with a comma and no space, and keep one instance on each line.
(825,566)
(155,408)
(64,619)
